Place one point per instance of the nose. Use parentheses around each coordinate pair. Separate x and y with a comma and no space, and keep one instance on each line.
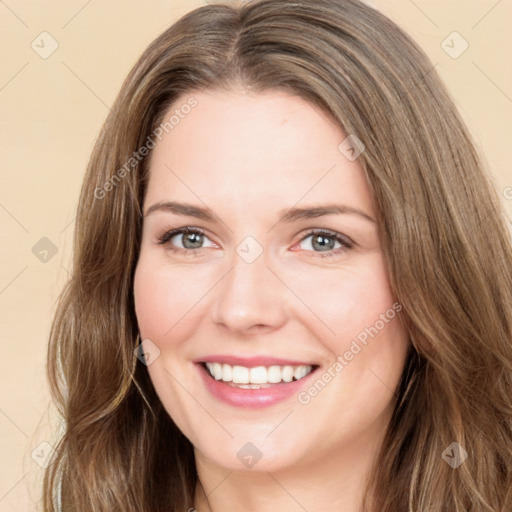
(250,299)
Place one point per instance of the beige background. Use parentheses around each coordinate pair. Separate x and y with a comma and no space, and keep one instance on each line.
(51,112)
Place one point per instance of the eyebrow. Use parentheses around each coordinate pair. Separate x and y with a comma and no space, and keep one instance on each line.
(288,215)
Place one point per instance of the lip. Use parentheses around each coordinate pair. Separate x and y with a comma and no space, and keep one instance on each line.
(251,362)
(252,398)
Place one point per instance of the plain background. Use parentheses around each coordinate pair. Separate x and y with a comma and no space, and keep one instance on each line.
(51,112)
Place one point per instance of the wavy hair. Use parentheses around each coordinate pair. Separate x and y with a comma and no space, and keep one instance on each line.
(443,233)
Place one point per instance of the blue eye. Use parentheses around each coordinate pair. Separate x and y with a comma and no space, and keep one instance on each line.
(191,238)
(323,242)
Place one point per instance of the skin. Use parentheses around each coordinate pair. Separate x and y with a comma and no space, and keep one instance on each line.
(248,156)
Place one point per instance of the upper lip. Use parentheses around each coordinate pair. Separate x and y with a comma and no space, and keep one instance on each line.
(251,362)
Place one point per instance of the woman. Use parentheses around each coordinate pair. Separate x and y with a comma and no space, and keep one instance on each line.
(291,285)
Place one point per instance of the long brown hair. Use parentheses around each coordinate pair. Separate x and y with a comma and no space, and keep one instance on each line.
(443,234)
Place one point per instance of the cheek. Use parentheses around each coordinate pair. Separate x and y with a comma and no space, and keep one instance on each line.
(345,302)
(151,302)
(163,295)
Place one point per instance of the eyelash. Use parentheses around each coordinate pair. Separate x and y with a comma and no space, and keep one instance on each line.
(346,242)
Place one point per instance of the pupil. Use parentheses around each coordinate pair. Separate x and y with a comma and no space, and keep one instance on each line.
(321,240)
(193,238)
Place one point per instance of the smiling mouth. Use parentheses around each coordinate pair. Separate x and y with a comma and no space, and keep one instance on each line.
(256,377)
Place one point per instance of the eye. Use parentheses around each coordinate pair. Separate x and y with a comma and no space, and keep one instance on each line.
(190,239)
(324,242)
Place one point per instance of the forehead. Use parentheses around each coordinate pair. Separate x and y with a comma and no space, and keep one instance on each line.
(252,148)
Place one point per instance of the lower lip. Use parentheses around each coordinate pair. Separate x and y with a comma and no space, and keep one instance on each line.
(252,398)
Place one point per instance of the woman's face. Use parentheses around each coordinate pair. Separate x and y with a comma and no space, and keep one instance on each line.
(251,290)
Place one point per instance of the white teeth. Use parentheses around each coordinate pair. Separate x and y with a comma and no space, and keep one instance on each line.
(300,371)
(274,374)
(240,375)
(227,373)
(216,371)
(249,386)
(258,374)
(288,373)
